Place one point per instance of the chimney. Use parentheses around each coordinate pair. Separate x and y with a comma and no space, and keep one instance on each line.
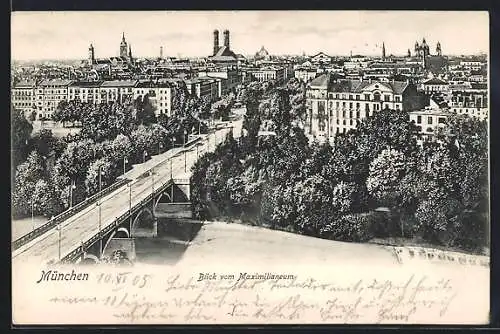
(226,38)
(216,41)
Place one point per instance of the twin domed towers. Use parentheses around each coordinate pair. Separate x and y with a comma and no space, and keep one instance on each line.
(216,40)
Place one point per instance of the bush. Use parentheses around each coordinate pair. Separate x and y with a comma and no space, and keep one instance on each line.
(352,227)
(385,224)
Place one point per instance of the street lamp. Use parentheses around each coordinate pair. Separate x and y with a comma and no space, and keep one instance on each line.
(153,189)
(171,172)
(101,172)
(71,187)
(32,215)
(125,162)
(99,214)
(59,228)
(130,206)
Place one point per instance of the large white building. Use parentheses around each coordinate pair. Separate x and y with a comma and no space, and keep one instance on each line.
(117,90)
(275,73)
(428,121)
(306,74)
(336,106)
(159,94)
(85,91)
(229,78)
(205,87)
(321,58)
(434,85)
(48,95)
(23,97)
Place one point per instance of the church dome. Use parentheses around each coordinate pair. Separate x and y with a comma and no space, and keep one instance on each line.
(262,52)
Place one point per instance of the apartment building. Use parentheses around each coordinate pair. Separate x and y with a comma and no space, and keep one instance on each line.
(117,90)
(85,91)
(23,97)
(205,87)
(338,105)
(48,95)
(270,73)
(428,121)
(434,85)
(230,79)
(159,94)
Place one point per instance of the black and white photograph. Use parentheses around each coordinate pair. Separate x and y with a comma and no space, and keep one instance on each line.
(250,167)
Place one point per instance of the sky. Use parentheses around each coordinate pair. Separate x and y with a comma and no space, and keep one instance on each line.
(67,35)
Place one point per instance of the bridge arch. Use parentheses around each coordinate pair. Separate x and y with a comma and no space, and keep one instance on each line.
(88,259)
(164,197)
(121,232)
(144,220)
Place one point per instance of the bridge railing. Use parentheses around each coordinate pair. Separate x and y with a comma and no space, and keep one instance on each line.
(73,255)
(64,215)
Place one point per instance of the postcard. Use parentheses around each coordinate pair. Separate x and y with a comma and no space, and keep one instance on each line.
(250,167)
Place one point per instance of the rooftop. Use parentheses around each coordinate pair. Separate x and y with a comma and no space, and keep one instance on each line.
(435,81)
(86,84)
(119,83)
(25,84)
(224,54)
(436,112)
(55,82)
(152,84)
(327,81)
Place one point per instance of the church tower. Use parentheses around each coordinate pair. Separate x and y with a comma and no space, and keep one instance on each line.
(216,41)
(438,49)
(226,39)
(91,58)
(123,47)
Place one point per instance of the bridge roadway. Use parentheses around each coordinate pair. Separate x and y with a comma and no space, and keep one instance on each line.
(85,225)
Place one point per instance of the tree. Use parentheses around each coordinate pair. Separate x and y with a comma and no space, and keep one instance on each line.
(45,143)
(75,160)
(314,202)
(108,175)
(106,120)
(141,140)
(20,134)
(386,172)
(120,148)
(45,199)
(27,175)
(145,111)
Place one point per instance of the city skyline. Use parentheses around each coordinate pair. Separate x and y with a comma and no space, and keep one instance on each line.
(40,35)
